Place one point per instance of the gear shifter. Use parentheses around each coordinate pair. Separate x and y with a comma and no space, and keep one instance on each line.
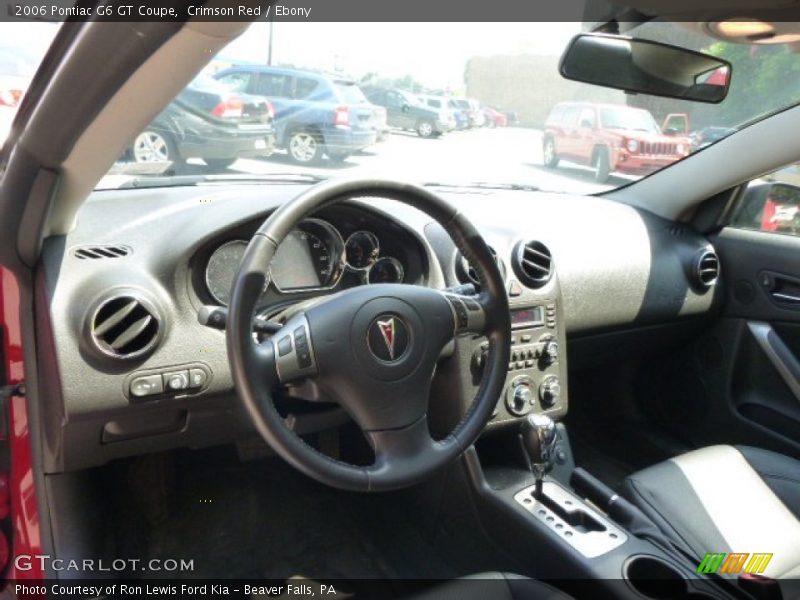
(538,439)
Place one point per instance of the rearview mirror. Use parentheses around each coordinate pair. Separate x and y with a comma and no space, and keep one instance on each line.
(647,67)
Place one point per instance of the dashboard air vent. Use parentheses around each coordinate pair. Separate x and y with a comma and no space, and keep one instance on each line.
(124,327)
(533,263)
(97,252)
(707,268)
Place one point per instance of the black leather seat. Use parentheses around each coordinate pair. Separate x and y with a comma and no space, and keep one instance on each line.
(494,586)
(726,499)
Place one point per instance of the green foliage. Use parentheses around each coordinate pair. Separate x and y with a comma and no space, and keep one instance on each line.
(765,78)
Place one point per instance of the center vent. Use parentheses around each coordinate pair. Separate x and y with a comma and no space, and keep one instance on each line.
(125,327)
(532,263)
(97,252)
(707,268)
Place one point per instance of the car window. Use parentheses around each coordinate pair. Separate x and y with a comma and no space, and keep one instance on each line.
(395,100)
(629,119)
(349,93)
(513,67)
(236,82)
(273,85)
(570,117)
(586,118)
(303,87)
(772,203)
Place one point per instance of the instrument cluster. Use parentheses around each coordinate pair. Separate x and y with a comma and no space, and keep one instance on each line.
(314,257)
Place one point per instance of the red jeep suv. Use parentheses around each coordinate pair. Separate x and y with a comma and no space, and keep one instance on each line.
(611,137)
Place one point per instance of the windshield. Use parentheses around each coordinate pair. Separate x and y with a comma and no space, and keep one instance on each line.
(487,107)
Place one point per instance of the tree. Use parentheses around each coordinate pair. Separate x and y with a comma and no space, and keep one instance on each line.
(765,78)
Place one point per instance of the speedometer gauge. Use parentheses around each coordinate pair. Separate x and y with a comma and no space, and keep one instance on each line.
(311,257)
(362,250)
(222,268)
(386,270)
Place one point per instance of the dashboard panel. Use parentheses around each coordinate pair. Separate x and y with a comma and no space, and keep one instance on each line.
(616,267)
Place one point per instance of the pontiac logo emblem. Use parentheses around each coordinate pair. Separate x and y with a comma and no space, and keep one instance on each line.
(387,338)
(387,329)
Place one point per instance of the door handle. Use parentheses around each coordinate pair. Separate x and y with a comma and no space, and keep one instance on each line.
(782,289)
(779,354)
(782,297)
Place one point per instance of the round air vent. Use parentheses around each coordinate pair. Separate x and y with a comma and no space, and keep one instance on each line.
(532,263)
(706,269)
(466,273)
(124,326)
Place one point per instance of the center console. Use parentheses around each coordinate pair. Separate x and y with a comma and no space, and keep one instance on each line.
(564,524)
(536,381)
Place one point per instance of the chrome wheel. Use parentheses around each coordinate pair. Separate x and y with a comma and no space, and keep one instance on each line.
(150,146)
(425,129)
(303,147)
(549,152)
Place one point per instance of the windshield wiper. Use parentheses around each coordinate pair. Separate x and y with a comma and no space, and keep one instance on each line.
(486,185)
(187,180)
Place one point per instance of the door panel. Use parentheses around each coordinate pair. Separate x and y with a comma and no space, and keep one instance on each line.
(754,395)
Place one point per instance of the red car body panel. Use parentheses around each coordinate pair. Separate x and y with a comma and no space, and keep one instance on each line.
(24,507)
(577,131)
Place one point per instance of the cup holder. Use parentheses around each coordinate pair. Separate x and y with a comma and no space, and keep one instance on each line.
(657,579)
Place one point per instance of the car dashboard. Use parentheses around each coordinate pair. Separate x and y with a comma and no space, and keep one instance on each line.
(127,366)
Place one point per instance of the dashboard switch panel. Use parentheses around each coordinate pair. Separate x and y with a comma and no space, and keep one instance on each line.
(166,382)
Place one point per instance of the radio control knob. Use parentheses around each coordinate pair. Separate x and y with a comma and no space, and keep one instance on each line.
(549,391)
(549,351)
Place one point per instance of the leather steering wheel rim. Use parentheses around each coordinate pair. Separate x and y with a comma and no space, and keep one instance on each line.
(390,412)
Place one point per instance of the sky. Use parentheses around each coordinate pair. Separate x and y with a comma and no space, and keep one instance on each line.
(434,53)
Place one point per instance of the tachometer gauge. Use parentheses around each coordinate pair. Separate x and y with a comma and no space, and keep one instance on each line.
(362,250)
(222,268)
(386,270)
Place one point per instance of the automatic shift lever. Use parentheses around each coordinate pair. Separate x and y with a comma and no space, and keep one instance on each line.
(538,439)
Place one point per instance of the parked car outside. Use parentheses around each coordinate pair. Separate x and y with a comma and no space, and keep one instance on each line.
(440,103)
(316,114)
(207,121)
(610,138)
(473,112)
(460,113)
(494,118)
(405,111)
(16,71)
(705,136)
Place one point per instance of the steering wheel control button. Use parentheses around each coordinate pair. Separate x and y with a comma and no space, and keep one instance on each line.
(293,351)
(285,345)
(197,378)
(388,338)
(146,385)
(176,381)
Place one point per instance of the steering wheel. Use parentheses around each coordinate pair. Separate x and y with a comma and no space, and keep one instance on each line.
(373,349)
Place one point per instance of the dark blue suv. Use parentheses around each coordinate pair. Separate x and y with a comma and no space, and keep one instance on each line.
(315,114)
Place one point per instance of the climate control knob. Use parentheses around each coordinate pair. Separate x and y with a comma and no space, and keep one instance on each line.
(520,398)
(549,391)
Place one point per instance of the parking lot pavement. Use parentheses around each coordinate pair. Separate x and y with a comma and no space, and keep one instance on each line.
(505,155)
